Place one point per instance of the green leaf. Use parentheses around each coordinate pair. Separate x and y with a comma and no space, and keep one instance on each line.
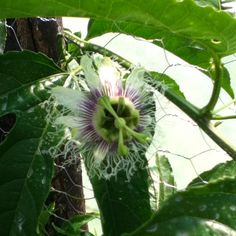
(185,48)
(165,81)
(181,23)
(188,48)
(167,185)
(186,225)
(185,19)
(192,53)
(226,83)
(59,230)
(23,82)
(88,234)
(215,201)
(124,204)
(3,35)
(73,226)
(44,218)
(26,168)
(187,36)
(220,171)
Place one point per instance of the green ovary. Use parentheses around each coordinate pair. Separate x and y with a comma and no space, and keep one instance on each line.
(115,120)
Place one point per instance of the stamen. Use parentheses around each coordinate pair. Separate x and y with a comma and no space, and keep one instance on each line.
(120,123)
(105,102)
(121,105)
(122,148)
(142,138)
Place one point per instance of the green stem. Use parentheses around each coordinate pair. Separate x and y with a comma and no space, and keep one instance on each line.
(223,117)
(87,45)
(122,149)
(217,85)
(142,138)
(219,4)
(202,122)
(224,107)
(200,116)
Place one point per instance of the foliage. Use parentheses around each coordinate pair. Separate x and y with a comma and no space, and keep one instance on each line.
(73,226)
(124,203)
(167,182)
(220,171)
(26,170)
(200,207)
(198,32)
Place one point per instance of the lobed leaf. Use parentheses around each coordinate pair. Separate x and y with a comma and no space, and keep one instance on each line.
(193,50)
(212,202)
(190,31)
(152,19)
(173,22)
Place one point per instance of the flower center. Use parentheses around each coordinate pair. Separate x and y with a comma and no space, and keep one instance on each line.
(115,120)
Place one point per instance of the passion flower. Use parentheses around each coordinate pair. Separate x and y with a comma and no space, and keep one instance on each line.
(112,115)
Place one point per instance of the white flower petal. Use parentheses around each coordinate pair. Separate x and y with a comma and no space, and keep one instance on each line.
(91,76)
(68,121)
(109,76)
(68,97)
(101,152)
(136,78)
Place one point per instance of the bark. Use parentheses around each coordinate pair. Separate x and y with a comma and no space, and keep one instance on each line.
(35,34)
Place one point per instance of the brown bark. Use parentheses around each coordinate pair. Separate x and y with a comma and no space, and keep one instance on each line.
(68,179)
(35,34)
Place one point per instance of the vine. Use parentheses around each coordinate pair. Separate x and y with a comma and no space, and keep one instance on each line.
(201,116)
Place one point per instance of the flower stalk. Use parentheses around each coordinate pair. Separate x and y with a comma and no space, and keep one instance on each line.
(217,73)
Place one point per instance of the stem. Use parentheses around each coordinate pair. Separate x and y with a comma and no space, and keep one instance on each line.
(86,45)
(220,4)
(122,149)
(223,107)
(142,138)
(217,85)
(202,122)
(223,117)
(200,116)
